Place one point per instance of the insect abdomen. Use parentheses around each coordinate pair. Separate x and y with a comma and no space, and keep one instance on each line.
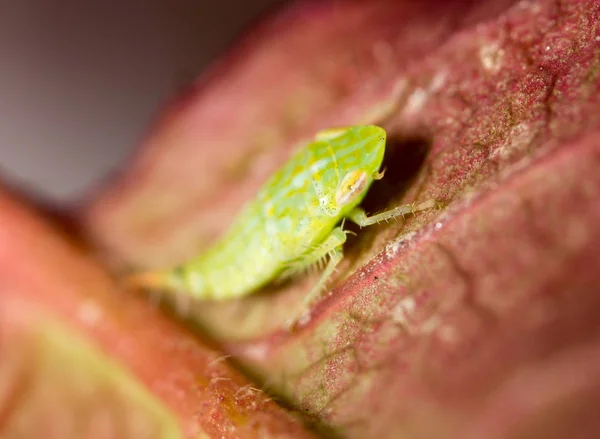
(269,234)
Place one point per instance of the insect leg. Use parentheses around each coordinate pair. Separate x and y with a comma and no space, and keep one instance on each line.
(335,257)
(358,215)
(332,248)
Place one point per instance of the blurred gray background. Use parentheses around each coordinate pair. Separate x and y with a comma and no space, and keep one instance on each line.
(80,80)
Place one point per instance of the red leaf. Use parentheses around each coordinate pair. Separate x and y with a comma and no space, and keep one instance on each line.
(82,359)
(479,320)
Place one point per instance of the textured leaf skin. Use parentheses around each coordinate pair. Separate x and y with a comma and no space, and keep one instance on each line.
(63,320)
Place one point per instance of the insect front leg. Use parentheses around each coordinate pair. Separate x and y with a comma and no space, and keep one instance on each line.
(330,250)
(358,215)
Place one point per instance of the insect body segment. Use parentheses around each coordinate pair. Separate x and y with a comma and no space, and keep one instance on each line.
(292,223)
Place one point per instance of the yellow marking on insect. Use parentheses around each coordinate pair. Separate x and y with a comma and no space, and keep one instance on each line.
(292,224)
(330,133)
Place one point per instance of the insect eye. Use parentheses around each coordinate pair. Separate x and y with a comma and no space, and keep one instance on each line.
(351,186)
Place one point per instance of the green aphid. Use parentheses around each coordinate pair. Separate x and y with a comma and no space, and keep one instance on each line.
(293,223)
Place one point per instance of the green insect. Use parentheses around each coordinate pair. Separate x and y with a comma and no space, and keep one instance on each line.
(292,224)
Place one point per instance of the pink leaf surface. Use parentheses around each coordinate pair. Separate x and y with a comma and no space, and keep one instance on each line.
(476,320)
(79,358)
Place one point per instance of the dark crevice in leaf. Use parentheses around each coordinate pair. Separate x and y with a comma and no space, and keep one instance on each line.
(405,158)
